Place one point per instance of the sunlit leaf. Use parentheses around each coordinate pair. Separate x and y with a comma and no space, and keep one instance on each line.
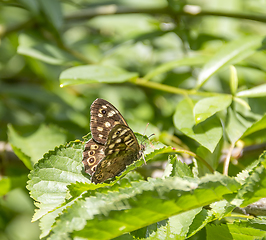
(207,133)
(231,53)
(258,91)
(207,107)
(126,210)
(94,74)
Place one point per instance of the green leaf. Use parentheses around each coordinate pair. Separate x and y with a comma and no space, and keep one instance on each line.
(176,168)
(235,125)
(190,61)
(32,5)
(242,102)
(231,53)
(261,124)
(214,232)
(233,80)
(5,186)
(94,74)
(52,10)
(254,187)
(51,175)
(207,107)
(237,230)
(207,133)
(200,221)
(176,227)
(217,211)
(139,205)
(63,166)
(31,147)
(212,158)
(258,91)
(32,46)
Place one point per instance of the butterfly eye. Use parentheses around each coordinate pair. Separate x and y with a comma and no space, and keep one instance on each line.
(103,111)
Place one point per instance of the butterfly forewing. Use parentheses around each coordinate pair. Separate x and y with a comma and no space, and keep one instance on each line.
(122,149)
(104,116)
(92,155)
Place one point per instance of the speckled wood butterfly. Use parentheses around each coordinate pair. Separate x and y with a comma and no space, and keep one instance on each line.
(113,145)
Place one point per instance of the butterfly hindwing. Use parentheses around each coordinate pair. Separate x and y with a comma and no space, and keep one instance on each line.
(104,116)
(92,155)
(122,149)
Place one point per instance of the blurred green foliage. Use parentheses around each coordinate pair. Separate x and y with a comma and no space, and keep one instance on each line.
(168,63)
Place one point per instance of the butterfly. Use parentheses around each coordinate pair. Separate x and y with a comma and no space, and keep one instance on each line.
(113,145)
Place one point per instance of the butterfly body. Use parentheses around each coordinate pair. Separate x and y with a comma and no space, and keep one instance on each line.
(113,145)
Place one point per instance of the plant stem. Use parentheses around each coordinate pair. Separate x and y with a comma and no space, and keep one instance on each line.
(170,89)
(227,160)
(114,9)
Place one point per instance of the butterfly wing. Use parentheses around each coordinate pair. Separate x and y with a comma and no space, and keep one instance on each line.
(122,149)
(104,116)
(92,155)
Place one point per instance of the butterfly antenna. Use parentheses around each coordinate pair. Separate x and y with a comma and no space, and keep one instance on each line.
(153,134)
(142,140)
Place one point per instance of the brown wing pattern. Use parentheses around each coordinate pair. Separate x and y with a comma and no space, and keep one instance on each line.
(92,155)
(104,116)
(122,149)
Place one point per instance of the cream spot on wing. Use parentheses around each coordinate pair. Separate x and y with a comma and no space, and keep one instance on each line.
(100,115)
(100,129)
(100,136)
(116,122)
(118,140)
(103,106)
(112,145)
(101,151)
(129,142)
(127,138)
(107,124)
(108,164)
(123,132)
(111,113)
(94,146)
(110,151)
